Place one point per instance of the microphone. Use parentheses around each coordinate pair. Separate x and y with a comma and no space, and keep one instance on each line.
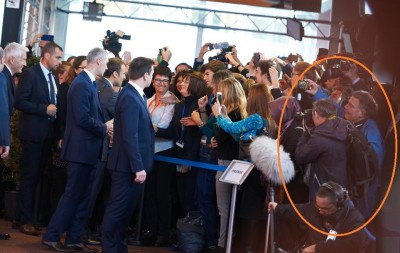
(265,156)
(219,45)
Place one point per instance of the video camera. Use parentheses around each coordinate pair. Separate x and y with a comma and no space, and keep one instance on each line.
(225,48)
(335,67)
(111,41)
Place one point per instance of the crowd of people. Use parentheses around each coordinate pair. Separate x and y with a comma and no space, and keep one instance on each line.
(104,119)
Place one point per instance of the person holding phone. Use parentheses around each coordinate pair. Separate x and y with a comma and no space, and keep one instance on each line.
(234,100)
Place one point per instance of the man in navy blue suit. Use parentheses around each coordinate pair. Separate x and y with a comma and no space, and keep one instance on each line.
(4,117)
(4,120)
(81,147)
(131,155)
(36,98)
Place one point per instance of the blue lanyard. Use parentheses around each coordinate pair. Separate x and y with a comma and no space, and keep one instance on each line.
(182,126)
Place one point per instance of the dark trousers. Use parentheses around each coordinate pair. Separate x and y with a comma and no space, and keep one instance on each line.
(158,196)
(206,195)
(186,185)
(124,197)
(98,182)
(72,209)
(34,172)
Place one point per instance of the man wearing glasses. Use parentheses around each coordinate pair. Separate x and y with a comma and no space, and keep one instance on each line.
(332,212)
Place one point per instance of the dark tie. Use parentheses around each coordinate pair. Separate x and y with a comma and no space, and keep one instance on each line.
(52,94)
(95,86)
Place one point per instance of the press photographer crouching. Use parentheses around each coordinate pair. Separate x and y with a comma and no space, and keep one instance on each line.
(331,212)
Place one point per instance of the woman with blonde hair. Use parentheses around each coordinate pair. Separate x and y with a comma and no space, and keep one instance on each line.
(258,123)
(234,100)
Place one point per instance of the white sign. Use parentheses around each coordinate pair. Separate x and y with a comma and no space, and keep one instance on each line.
(12,4)
(236,172)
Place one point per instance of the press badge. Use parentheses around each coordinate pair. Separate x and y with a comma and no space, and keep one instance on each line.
(180,143)
(331,237)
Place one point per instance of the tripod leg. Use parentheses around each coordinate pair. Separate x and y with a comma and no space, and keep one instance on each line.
(267,234)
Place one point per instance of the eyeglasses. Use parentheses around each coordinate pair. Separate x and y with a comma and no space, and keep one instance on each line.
(165,81)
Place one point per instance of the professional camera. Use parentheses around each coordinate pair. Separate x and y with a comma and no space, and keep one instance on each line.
(221,56)
(307,116)
(335,67)
(111,41)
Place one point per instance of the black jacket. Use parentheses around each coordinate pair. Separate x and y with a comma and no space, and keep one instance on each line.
(190,136)
(344,220)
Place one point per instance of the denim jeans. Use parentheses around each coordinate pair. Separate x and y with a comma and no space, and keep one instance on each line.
(205,194)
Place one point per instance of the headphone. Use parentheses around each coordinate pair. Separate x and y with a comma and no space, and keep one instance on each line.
(340,194)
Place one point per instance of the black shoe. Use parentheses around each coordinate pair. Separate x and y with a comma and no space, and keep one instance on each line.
(4,236)
(80,247)
(29,229)
(55,246)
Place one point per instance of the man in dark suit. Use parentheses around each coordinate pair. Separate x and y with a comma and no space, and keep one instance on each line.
(81,147)
(4,117)
(36,98)
(109,86)
(4,120)
(131,155)
(15,60)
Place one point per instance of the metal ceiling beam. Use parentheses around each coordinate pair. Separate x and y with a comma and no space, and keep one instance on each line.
(199,16)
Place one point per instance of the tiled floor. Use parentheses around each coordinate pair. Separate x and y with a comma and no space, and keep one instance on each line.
(21,243)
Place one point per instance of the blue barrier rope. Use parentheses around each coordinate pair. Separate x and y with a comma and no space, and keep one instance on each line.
(201,165)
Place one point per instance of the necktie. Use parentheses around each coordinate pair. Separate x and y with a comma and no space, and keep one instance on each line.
(95,85)
(52,95)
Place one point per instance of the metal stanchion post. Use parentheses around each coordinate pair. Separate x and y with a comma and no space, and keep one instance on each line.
(231,219)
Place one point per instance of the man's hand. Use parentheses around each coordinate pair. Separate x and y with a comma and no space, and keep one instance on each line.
(272,205)
(274,77)
(309,249)
(140,177)
(184,169)
(51,110)
(110,126)
(35,39)
(166,54)
(231,59)
(4,151)
(203,50)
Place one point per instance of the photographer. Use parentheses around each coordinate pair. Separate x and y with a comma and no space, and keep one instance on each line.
(330,211)
(323,146)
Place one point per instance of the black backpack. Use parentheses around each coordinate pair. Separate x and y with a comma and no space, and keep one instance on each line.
(362,164)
